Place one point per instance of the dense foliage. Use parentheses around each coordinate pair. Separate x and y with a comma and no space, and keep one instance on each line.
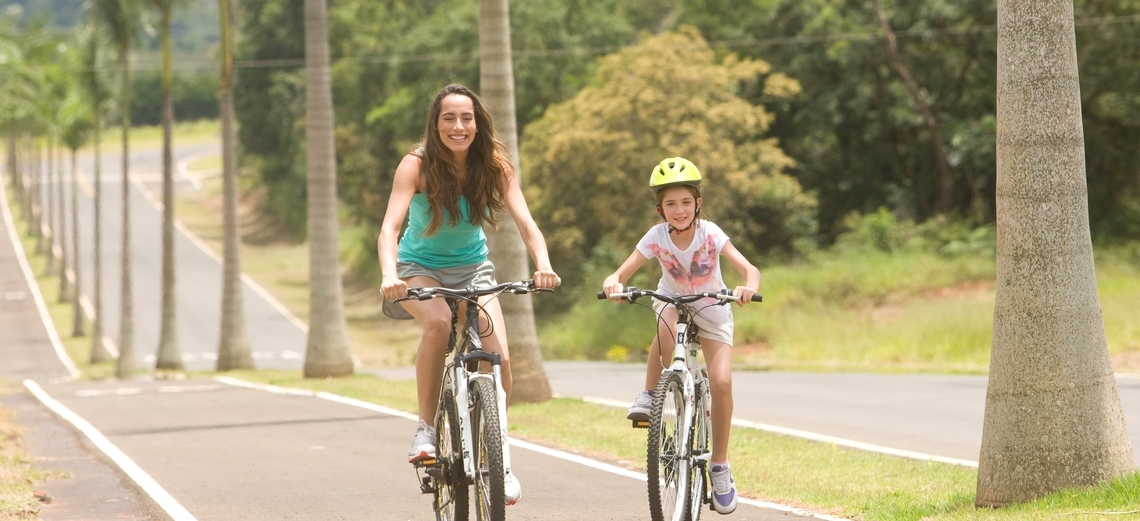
(856,138)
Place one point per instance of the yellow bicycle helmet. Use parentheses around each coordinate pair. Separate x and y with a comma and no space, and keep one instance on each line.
(674,171)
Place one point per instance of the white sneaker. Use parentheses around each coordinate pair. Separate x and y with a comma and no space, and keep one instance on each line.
(423,443)
(512,489)
(641,406)
(724,489)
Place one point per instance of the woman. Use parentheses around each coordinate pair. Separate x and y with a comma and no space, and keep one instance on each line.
(452,184)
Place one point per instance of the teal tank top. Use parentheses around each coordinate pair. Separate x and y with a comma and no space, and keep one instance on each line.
(459,245)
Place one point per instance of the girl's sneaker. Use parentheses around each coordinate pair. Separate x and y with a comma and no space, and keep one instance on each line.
(724,488)
(641,406)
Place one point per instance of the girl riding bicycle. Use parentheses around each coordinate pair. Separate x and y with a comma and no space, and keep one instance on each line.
(689,250)
(452,184)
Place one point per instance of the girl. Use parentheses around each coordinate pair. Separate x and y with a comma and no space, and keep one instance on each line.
(689,250)
(452,184)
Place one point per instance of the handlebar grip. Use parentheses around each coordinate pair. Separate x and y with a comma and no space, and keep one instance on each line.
(756,297)
(601,295)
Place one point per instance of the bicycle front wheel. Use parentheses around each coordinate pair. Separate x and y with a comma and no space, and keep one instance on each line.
(450,494)
(667,460)
(490,498)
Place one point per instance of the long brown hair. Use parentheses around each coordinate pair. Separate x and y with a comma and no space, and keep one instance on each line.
(487,167)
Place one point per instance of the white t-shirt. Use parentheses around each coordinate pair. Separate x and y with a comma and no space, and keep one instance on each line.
(695,269)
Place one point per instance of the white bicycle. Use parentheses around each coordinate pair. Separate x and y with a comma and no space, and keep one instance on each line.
(680,420)
(471,419)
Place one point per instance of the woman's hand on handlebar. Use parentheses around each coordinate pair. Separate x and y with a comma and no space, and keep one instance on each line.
(546,279)
(393,288)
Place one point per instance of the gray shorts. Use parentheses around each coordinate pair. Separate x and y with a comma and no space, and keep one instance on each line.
(459,277)
(713,322)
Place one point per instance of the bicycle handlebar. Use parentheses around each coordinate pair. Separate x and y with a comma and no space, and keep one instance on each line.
(631,294)
(521,287)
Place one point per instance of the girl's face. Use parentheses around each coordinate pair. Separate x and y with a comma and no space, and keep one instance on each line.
(679,206)
(457,122)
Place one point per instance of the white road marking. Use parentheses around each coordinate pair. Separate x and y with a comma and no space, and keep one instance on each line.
(34,287)
(812,436)
(574,458)
(136,473)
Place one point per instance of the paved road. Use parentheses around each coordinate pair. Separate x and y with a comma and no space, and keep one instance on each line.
(275,339)
(200,449)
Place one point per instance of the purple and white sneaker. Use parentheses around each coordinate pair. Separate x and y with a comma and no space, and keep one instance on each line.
(724,488)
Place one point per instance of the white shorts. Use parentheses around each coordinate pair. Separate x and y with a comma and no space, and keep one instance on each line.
(713,322)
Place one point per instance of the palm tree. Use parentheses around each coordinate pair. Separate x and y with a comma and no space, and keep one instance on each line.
(327,352)
(169,356)
(508,253)
(77,126)
(233,348)
(121,18)
(1053,418)
(94,84)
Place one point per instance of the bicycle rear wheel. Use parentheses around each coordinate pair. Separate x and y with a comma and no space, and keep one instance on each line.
(667,460)
(450,495)
(490,498)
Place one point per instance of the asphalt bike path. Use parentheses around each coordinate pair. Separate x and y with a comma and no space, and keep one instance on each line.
(277,338)
(214,449)
(96,489)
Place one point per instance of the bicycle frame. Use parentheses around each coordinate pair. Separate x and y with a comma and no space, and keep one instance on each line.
(469,353)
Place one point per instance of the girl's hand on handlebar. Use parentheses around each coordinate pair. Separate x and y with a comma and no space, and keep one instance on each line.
(393,288)
(743,294)
(611,286)
(546,279)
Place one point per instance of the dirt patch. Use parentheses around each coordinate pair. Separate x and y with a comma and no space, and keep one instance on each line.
(1126,362)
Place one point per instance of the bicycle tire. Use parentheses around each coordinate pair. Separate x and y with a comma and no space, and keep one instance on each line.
(450,497)
(700,436)
(490,496)
(665,458)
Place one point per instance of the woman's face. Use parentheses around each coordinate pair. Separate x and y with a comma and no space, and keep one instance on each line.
(457,122)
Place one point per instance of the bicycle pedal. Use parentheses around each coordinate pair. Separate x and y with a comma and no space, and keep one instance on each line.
(640,424)
(425,485)
(426,462)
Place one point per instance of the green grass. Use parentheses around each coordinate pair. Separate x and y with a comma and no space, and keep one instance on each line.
(17,473)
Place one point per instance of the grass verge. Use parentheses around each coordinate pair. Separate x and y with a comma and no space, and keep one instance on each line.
(17,473)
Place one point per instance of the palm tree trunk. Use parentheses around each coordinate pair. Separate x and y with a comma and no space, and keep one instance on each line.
(169,356)
(234,351)
(508,253)
(61,218)
(1053,418)
(47,225)
(126,366)
(77,327)
(99,351)
(327,352)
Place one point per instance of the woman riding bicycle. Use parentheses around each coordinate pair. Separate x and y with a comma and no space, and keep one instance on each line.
(448,187)
(689,250)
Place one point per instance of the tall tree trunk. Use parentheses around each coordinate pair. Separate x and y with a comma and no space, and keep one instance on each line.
(327,352)
(234,351)
(77,326)
(508,252)
(126,365)
(99,351)
(61,218)
(169,356)
(1053,418)
(48,224)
